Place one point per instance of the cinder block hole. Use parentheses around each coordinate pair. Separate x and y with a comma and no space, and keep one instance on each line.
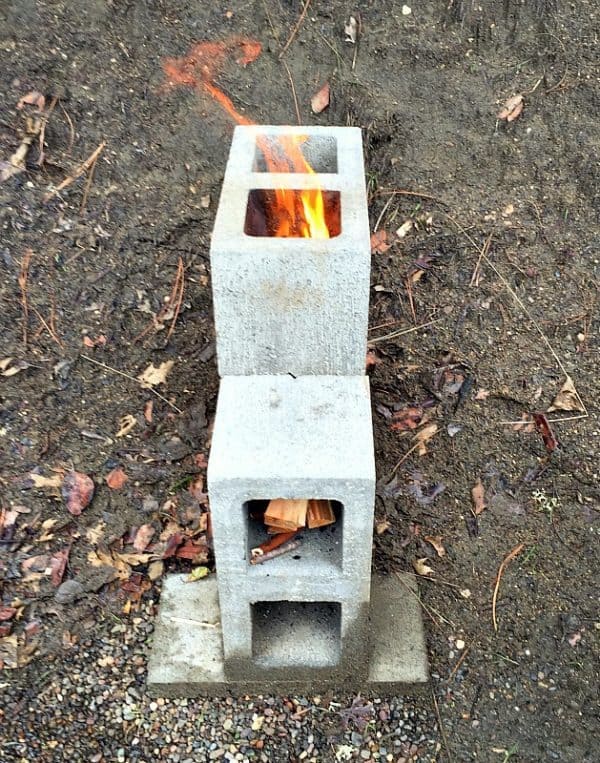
(288,634)
(320,547)
(290,213)
(295,153)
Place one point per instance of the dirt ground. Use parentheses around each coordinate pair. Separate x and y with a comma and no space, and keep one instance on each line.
(478,314)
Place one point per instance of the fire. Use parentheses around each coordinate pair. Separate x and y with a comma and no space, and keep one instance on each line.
(293,213)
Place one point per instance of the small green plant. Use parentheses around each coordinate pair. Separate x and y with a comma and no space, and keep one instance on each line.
(546,504)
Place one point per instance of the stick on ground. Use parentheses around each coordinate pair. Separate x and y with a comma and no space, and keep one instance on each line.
(508,558)
(77,172)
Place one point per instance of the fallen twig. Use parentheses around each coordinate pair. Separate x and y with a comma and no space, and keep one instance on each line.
(476,271)
(48,328)
(401,332)
(441,728)
(43,122)
(175,298)
(76,173)
(296,105)
(131,378)
(279,551)
(508,558)
(460,661)
(402,192)
(22,280)
(295,30)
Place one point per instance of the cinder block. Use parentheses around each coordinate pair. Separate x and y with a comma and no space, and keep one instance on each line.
(186,658)
(292,305)
(285,437)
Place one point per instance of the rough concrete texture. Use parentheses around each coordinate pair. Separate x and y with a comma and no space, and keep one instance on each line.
(280,437)
(292,305)
(186,659)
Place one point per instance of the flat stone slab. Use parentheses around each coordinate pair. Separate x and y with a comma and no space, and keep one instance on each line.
(186,658)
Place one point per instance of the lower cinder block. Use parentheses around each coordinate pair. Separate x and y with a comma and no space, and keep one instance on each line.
(186,657)
(284,437)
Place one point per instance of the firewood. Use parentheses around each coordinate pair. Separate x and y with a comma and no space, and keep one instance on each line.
(286,514)
(271,544)
(291,545)
(319,513)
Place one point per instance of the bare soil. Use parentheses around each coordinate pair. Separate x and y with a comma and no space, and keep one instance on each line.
(478,336)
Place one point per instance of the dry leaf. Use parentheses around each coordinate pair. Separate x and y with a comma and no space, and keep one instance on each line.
(143,537)
(94,534)
(126,424)
(47,525)
(153,376)
(513,106)
(205,201)
(197,574)
(10,367)
(372,359)
(379,243)
(33,98)
(407,418)
(478,494)
(116,478)
(39,480)
(156,569)
(421,567)
(58,564)
(482,394)
(351,30)
(567,399)
(101,558)
(382,526)
(320,100)
(436,542)
(148,407)
(405,228)
(423,436)
(77,491)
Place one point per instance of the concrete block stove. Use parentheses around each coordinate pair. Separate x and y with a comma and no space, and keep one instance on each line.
(293,421)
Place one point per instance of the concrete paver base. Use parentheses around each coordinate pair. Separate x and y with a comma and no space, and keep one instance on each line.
(186,658)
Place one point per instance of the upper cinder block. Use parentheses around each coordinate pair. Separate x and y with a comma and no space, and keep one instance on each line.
(294,304)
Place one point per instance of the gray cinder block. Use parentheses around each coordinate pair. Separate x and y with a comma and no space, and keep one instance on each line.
(303,613)
(292,305)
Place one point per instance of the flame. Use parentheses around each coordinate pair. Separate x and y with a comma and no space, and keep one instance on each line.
(294,213)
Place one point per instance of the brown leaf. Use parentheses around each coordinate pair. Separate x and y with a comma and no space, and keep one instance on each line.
(423,436)
(8,653)
(153,375)
(407,418)
(126,424)
(39,480)
(148,406)
(320,100)
(513,106)
(142,537)
(543,426)
(77,491)
(94,534)
(156,569)
(379,243)
(382,526)
(478,495)
(436,542)
(567,399)
(33,98)
(482,394)
(116,478)
(6,613)
(372,359)
(101,558)
(196,551)
(421,567)
(58,564)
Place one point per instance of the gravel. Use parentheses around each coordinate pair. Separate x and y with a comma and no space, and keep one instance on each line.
(87,702)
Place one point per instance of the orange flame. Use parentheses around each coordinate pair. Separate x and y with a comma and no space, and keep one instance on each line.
(294,213)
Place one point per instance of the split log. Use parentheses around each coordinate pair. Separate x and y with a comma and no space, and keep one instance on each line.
(319,513)
(286,514)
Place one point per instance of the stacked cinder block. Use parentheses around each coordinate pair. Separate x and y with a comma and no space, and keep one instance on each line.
(293,417)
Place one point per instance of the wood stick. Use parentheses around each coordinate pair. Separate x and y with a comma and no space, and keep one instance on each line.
(288,514)
(77,172)
(22,279)
(516,550)
(272,544)
(286,548)
(319,513)
(295,30)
